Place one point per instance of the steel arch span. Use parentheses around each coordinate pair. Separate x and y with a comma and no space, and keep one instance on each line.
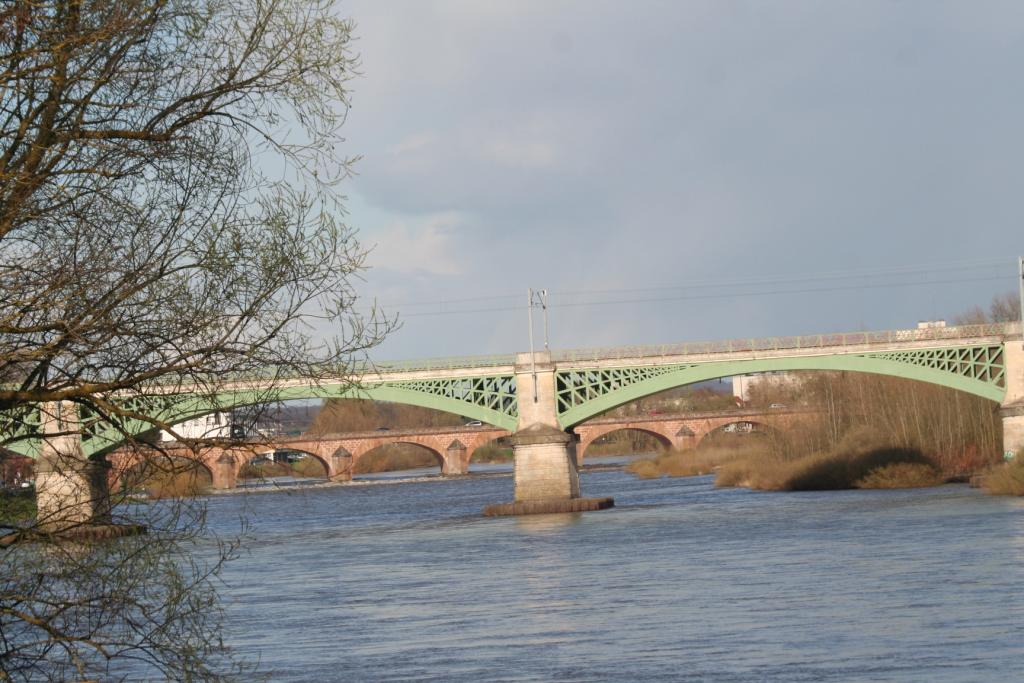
(490,399)
(582,393)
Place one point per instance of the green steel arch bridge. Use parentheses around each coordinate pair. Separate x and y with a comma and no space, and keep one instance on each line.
(587,382)
(550,392)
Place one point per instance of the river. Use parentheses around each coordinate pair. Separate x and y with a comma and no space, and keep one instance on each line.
(405,580)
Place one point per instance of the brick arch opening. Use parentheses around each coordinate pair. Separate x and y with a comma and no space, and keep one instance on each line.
(662,441)
(757,428)
(162,475)
(301,470)
(372,460)
(492,452)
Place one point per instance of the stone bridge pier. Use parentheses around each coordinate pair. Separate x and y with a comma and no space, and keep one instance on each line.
(1012,408)
(71,489)
(546,477)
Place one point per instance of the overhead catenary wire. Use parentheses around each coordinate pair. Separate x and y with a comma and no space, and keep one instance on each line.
(694,297)
(750,287)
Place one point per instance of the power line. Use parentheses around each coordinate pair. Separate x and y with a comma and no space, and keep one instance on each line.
(701,284)
(696,297)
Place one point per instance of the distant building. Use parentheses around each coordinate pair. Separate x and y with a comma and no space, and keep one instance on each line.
(237,424)
(742,384)
(213,426)
(930,324)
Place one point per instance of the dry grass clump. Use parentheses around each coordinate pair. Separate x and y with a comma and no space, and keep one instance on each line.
(178,482)
(901,475)
(264,470)
(395,457)
(766,473)
(1006,479)
(860,456)
(308,467)
(492,453)
(644,469)
(688,462)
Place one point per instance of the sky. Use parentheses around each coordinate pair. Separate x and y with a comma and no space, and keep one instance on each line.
(682,171)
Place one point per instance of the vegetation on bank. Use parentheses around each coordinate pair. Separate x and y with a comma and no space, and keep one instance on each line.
(340,415)
(867,431)
(168,478)
(304,468)
(16,506)
(689,462)
(492,454)
(394,457)
(862,459)
(1005,479)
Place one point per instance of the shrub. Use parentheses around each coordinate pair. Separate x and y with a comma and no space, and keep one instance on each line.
(1006,479)
(858,454)
(308,467)
(491,453)
(177,483)
(901,475)
(690,462)
(644,469)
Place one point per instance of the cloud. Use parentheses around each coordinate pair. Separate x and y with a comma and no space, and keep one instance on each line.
(519,153)
(589,145)
(418,246)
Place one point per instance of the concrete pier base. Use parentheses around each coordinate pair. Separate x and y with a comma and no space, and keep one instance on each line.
(545,464)
(546,507)
(546,476)
(71,490)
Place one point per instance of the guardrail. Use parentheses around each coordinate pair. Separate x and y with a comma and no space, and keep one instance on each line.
(812,341)
(809,341)
(453,363)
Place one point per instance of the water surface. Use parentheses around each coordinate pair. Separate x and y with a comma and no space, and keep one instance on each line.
(405,580)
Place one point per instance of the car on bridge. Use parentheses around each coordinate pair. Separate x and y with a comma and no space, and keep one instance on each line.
(474,423)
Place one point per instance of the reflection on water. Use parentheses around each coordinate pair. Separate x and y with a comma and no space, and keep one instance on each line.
(545,524)
(407,581)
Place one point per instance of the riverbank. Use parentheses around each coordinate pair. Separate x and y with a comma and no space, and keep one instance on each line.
(862,459)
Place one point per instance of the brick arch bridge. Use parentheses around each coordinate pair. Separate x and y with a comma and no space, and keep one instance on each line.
(453,447)
(338,453)
(685,431)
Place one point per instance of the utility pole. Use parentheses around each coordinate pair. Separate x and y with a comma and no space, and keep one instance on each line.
(541,299)
(1020,265)
(533,354)
(544,307)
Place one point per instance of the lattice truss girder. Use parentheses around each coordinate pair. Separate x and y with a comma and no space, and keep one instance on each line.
(980,363)
(497,393)
(576,387)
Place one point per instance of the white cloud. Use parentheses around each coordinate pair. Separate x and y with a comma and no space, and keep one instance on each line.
(416,142)
(420,245)
(519,154)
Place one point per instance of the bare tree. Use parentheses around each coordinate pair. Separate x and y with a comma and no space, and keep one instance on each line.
(1003,309)
(170,222)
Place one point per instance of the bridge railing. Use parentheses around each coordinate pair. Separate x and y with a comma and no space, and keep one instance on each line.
(812,341)
(452,363)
